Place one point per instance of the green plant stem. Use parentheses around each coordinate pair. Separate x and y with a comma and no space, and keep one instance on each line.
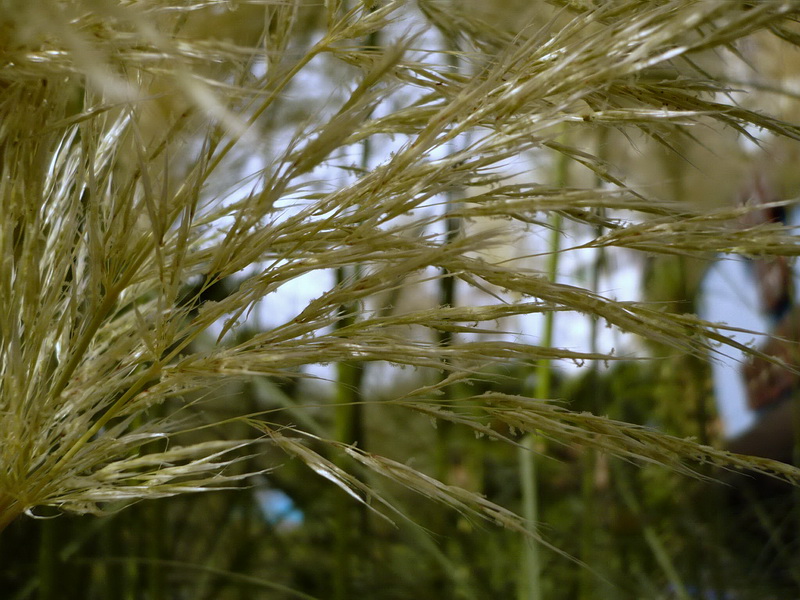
(130,566)
(587,584)
(651,536)
(80,347)
(530,585)
(349,423)
(155,574)
(348,426)
(47,560)
(147,376)
(112,582)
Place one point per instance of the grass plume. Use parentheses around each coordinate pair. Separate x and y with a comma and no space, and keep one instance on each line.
(123,128)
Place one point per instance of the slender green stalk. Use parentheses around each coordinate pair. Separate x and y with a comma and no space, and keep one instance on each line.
(651,536)
(530,569)
(348,422)
(146,377)
(111,574)
(587,582)
(131,573)
(447,287)
(445,432)
(47,560)
(530,586)
(80,347)
(154,542)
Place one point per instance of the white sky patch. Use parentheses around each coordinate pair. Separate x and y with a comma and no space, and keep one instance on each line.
(291,298)
(330,85)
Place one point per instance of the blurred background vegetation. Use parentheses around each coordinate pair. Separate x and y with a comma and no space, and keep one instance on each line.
(610,527)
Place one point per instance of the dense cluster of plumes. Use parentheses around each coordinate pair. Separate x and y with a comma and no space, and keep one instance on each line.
(123,124)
